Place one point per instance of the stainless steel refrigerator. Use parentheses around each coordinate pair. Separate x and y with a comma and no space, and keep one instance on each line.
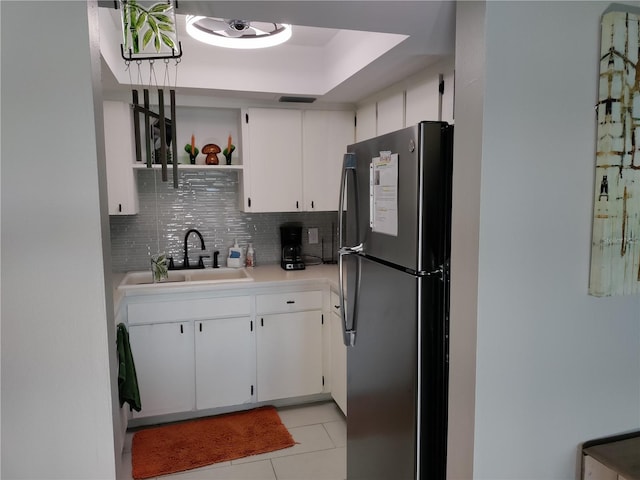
(394,234)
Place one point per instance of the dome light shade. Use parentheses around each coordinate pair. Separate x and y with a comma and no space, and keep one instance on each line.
(237,33)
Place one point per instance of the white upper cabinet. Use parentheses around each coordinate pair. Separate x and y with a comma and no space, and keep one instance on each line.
(429,96)
(366,122)
(378,118)
(448,97)
(423,101)
(122,190)
(390,114)
(293,159)
(273,160)
(325,136)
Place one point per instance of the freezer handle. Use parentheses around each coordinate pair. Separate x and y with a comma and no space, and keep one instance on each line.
(349,327)
(348,171)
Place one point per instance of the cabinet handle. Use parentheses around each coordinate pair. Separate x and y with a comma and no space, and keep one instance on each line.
(249,201)
(297,204)
(290,302)
(251,323)
(312,204)
(262,322)
(200,326)
(181,330)
(336,306)
(120,207)
(252,390)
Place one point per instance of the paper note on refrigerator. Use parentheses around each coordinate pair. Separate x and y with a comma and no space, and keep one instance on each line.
(383,190)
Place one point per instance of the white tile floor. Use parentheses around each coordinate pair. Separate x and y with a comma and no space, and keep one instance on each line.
(320,453)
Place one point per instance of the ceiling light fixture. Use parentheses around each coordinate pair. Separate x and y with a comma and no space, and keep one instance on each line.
(237,33)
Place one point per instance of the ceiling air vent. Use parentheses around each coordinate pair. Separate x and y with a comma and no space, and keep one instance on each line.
(290,99)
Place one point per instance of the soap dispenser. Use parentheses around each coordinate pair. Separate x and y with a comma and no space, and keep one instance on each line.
(235,256)
(251,256)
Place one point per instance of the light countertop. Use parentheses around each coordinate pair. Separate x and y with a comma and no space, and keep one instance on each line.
(262,275)
(274,273)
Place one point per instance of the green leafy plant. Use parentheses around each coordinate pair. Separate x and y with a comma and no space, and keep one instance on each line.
(159,267)
(152,24)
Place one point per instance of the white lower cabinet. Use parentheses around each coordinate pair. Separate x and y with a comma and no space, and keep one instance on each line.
(225,362)
(289,355)
(211,352)
(164,360)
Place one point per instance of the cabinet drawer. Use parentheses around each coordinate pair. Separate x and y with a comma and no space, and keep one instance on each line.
(194,309)
(289,302)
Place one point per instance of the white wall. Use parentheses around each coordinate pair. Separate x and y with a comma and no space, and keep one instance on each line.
(56,395)
(465,227)
(555,367)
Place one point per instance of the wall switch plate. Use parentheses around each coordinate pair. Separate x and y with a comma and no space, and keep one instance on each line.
(313,235)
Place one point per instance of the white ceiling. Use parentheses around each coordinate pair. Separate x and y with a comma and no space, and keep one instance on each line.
(340,51)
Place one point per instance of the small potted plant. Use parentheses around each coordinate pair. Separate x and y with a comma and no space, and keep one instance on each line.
(193,152)
(159,268)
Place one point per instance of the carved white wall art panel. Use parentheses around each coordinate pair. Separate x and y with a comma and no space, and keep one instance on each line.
(615,251)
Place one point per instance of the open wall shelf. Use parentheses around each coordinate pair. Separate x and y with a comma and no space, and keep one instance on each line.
(187,166)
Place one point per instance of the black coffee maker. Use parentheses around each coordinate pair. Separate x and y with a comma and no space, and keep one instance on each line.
(291,240)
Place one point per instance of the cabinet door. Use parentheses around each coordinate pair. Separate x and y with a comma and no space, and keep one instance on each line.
(164,360)
(366,122)
(274,162)
(423,101)
(390,114)
(122,190)
(289,355)
(225,362)
(325,136)
(448,97)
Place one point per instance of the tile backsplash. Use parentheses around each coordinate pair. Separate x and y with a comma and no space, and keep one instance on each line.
(208,202)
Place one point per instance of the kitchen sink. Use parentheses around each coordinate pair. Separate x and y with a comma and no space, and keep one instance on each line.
(186,277)
(219,275)
(145,278)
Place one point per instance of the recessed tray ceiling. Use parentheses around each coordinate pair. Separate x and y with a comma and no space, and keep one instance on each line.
(315,61)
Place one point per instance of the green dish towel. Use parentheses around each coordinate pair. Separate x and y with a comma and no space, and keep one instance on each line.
(127,379)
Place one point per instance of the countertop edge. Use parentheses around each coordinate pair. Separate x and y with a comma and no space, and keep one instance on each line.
(263,276)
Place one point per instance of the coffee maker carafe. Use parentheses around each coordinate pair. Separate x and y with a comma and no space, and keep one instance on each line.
(291,241)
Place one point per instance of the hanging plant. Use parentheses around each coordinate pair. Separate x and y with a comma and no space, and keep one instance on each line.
(154,24)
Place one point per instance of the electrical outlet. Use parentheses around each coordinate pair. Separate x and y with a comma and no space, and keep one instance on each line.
(313,235)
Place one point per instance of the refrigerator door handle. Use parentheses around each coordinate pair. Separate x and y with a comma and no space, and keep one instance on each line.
(438,272)
(348,332)
(349,250)
(348,170)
